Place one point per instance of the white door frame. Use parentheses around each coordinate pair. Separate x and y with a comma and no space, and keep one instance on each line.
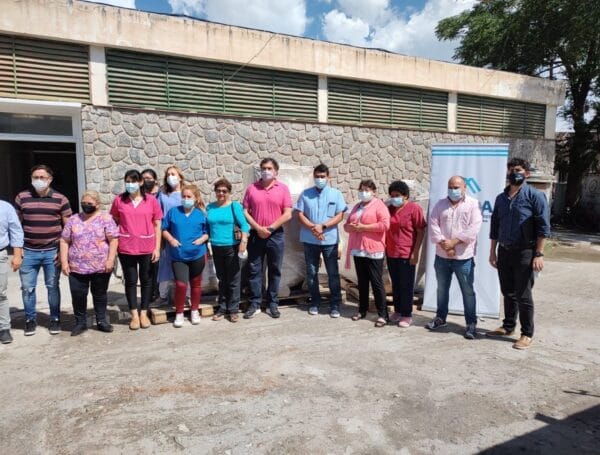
(73,110)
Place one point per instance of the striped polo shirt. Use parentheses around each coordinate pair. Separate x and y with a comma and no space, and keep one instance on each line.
(41,217)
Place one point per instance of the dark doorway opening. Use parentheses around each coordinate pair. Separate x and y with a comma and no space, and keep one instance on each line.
(18,157)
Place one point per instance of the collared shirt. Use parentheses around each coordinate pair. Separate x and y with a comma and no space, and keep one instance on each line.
(11,232)
(461,221)
(42,217)
(519,221)
(267,205)
(319,207)
(405,222)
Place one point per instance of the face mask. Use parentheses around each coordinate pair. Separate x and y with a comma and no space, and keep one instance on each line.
(320,183)
(187,203)
(266,175)
(88,208)
(132,187)
(516,178)
(454,194)
(397,201)
(40,185)
(364,196)
(172,180)
(149,185)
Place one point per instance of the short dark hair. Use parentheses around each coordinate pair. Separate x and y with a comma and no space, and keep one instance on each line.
(269,160)
(519,162)
(42,167)
(400,187)
(321,168)
(223,182)
(151,172)
(133,174)
(368,183)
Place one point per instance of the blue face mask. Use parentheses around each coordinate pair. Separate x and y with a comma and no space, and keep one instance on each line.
(187,203)
(320,183)
(397,201)
(454,194)
(132,187)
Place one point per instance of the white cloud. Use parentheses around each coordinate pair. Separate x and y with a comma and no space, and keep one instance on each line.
(121,3)
(284,16)
(370,11)
(340,28)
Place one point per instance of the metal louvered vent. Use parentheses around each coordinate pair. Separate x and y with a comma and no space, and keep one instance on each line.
(500,117)
(156,81)
(367,103)
(45,70)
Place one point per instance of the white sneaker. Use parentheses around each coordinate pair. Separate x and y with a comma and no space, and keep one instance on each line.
(178,320)
(195,317)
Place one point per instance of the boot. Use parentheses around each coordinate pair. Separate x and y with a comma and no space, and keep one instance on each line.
(144,321)
(135,320)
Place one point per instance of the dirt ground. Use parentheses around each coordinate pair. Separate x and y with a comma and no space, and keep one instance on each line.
(305,384)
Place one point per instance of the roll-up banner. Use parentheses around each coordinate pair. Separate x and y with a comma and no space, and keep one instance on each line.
(483,167)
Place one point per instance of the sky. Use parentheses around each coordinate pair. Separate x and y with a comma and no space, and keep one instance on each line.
(401,26)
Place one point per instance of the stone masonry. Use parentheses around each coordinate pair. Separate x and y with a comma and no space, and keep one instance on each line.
(208,147)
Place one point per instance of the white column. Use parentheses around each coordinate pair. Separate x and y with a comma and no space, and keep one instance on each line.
(550,127)
(322,99)
(452,107)
(98,80)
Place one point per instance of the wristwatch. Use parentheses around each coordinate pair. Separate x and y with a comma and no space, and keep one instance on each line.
(538,254)
(324,227)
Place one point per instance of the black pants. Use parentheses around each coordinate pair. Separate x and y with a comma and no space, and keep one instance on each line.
(80,285)
(515,272)
(154,277)
(130,265)
(370,271)
(402,275)
(227,266)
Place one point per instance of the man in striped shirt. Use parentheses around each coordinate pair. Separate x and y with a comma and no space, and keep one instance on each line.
(43,213)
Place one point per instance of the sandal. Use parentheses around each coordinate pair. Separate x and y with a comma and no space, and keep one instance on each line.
(218,316)
(380,322)
(358,316)
(234,317)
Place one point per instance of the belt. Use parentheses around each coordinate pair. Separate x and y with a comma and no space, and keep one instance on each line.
(515,247)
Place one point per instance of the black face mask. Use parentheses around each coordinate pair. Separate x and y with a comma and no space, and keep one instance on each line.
(516,178)
(88,208)
(149,184)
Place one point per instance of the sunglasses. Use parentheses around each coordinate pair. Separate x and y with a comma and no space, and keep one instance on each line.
(221,191)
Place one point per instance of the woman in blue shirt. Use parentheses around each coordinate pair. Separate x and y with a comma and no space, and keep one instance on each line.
(185,229)
(228,230)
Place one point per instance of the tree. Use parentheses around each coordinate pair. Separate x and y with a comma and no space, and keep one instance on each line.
(546,38)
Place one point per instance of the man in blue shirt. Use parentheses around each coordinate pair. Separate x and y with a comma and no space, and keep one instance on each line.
(11,234)
(320,209)
(519,226)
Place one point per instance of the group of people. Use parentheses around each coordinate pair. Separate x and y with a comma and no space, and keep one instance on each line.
(160,234)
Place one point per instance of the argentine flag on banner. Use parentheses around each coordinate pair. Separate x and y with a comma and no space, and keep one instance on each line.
(483,167)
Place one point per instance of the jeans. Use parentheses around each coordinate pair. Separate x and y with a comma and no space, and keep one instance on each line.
(272,248)
(4,306)
(515,273)
(464,269)
(80,285)
(32,262)
(130,264)
(402,275)
(229,273)
(370,271)
(312,256)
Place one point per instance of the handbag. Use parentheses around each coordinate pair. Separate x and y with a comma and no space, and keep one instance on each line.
(237,232)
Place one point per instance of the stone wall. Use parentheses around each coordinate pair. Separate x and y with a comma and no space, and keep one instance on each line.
(207,148)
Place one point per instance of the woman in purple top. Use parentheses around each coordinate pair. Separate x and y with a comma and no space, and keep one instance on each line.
(88,247)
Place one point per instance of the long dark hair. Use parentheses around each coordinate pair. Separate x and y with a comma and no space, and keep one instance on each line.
(133,174)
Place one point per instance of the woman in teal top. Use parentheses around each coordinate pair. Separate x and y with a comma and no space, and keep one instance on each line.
(228,231)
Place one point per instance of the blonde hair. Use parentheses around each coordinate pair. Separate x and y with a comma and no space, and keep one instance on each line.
(182,181)
(196,192)
(92,194)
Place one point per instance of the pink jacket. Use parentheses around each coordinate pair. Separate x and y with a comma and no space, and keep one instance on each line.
(375,212)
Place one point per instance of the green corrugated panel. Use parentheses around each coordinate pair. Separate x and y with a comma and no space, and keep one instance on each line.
(296,96)
(46,70)
(343,103)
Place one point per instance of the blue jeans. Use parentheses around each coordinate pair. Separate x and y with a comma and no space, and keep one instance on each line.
(402,275)
(32,262)
(312,256)
(464,269)
(258,249)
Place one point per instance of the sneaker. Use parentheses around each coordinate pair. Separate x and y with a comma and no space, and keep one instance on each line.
(195,317)
(54,327)
(252,311)
(30,328)
(334,314)
(435,323)
(78,330)
(471,332)
(395,317)
(500,332)
(273,311)
(523,343)
(104,326)
(405,322)
(313,311)
(178,322)
(5,336)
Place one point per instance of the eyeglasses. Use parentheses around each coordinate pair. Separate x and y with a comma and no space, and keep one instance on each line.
(221,191)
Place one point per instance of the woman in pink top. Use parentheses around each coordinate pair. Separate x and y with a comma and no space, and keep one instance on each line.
(88,247)
(367,224)
(138,217)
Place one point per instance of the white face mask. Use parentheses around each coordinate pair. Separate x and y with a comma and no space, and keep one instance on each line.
(266,175)
(397,201)
(40,185)
(365,196)
(172,180)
